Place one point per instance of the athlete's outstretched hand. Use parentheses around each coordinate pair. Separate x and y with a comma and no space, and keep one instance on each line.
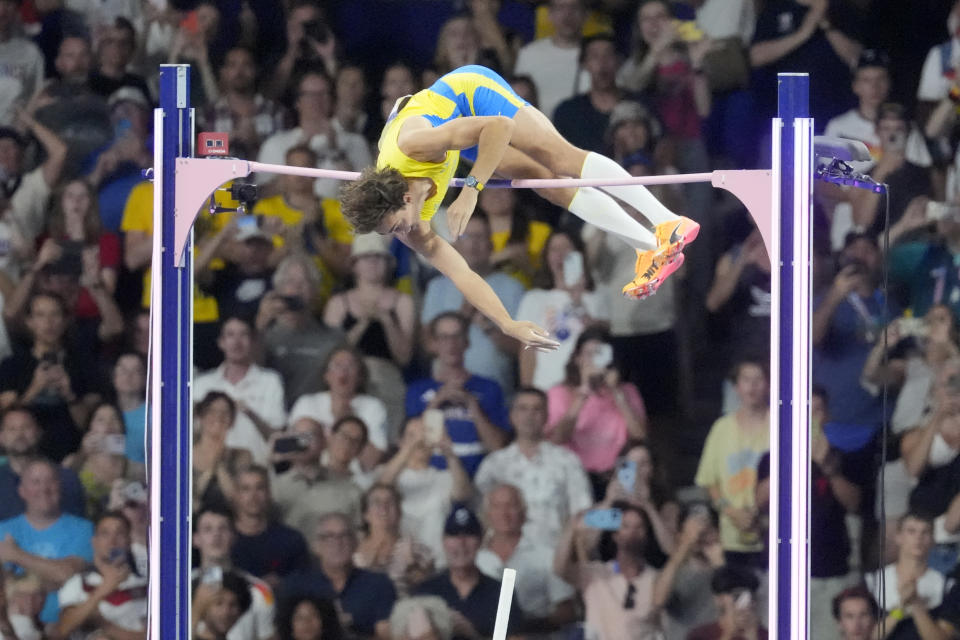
(532,336)
(460,210)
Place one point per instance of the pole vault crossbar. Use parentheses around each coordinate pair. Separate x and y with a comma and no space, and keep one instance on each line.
(198,178)
(182,184)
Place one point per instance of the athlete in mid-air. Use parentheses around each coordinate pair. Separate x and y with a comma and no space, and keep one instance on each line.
(472,112)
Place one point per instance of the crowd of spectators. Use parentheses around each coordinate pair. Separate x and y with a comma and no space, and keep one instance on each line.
(369,451)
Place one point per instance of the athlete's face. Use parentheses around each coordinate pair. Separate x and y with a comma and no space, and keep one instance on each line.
(403,220)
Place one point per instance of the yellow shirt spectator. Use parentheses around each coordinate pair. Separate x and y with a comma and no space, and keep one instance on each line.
(138,216)
(537,234)
(337,228)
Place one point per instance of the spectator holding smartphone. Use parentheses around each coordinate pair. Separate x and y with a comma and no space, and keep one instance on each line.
(48,377)
(639,480)
(102,459)
(215,462)
(735,597)
(617,594)
(683,585)
(592,412)
(296,345)
(110,596)
(426,492)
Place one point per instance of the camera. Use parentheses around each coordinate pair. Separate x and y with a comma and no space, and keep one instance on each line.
(292,444)
(293,303)
(316,30)
(244,192)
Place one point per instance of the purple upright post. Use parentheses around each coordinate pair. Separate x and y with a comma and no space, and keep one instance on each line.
(171,342)
(790,359)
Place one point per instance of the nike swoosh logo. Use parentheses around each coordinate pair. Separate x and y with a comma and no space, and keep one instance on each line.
(674,237)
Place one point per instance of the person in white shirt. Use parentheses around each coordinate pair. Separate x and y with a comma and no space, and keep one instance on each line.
(552,480)
(909,583)
(335,147)
(345,376)
(21,63)
(553,62)
(871,85)
(257,391)
(546,600)
(563,302)
(110,597)
(426,492)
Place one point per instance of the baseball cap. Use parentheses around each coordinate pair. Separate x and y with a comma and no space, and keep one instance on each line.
(873,58)
(366,244)
(128,94)
(462,522)
(632,111)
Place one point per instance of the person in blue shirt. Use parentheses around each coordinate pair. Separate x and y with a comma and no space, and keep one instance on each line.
(490,354)
(20,440)
(366,597)
(847,322)
(474,412)
(462,585)
(44,540)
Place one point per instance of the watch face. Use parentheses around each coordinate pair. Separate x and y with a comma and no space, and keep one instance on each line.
(471,182)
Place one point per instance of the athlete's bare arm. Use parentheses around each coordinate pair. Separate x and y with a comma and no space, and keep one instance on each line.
(491,134)
(475,289)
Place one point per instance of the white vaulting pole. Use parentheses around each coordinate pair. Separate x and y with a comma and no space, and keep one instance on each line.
(503,607)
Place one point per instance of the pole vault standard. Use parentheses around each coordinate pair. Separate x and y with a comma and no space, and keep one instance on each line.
(779,201)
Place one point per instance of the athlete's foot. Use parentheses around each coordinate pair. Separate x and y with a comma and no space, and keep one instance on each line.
(674,235)
(653,267)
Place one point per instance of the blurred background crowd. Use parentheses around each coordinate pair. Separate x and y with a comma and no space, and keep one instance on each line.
(369,451)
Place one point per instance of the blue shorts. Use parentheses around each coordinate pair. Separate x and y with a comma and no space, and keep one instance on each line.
(478,91)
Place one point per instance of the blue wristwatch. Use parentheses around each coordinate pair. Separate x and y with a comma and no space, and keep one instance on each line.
(473,183)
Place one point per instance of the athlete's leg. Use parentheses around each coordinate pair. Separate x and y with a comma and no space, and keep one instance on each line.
(588,204)
(536,136)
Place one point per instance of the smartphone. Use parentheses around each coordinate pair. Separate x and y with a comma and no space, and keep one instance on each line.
(433,426)
(211,575)
(744,600)
(627,474)
(603,357)
(115,444)
(247,222)
(135,492)
(293,303)
(291,444)
(573,268)
(122,128)
(603,519)
(916,327)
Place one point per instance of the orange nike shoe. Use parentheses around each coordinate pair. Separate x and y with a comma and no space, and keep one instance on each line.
(653,267)
(674,235)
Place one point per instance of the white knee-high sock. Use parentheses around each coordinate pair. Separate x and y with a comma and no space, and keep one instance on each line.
(636,195)
(594,206)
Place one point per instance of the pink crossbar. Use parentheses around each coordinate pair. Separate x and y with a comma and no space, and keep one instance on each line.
(197,178)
